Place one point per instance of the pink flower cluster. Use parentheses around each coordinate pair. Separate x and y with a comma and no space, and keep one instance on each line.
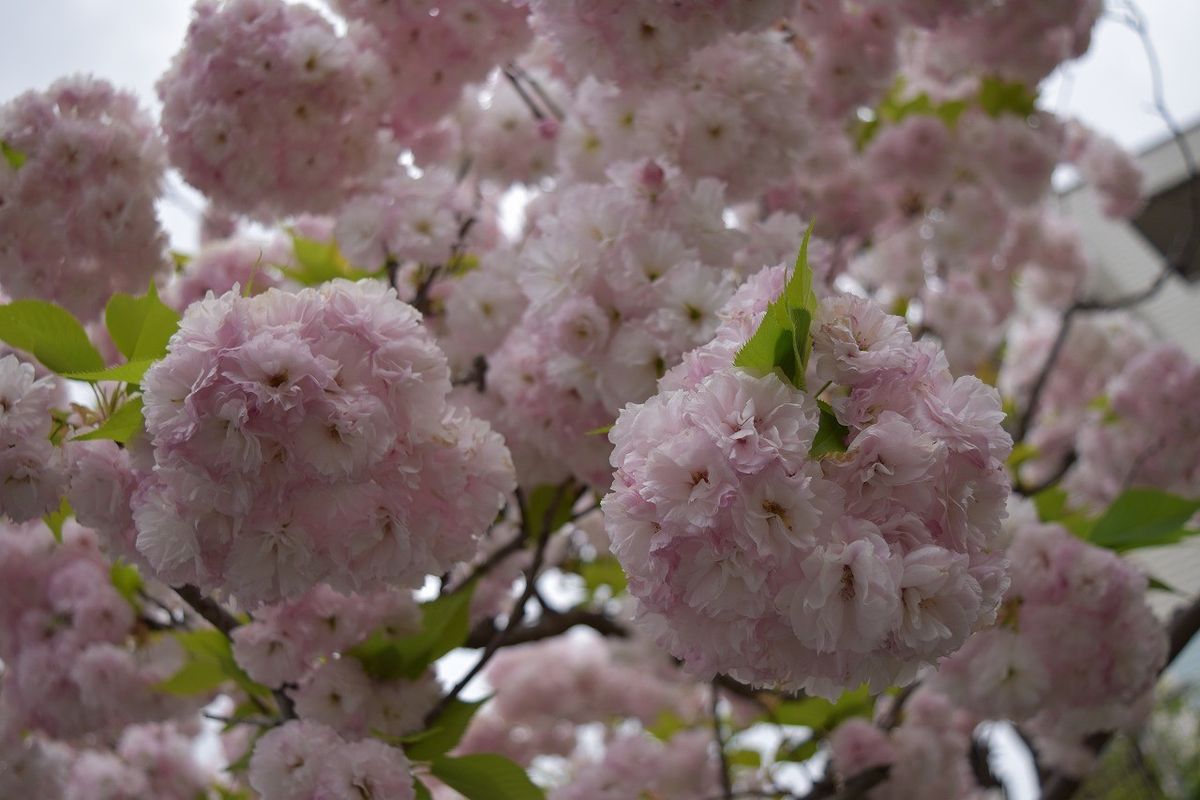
(224,263)
(77,218)
(269,111)
(750,556)
(1111,171)
(1077,649)
(638,765)
(32,473)
(622,279)
(634,42)
(68,669)
(404,219)
(308,761)
(926,754)
(306,438)
(149,761)
(536,711)
(302,643)
(736,111)
(1097,347)
(433,50)
(1146,433)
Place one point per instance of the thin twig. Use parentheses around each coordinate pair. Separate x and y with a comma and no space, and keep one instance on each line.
(719,738)
(518,613)
(208,608)
(511,74)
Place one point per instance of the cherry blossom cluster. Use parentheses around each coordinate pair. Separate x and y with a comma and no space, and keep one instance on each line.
(303,644)
(82,169)
(1076,650)
(149,760)
(926,754)
(308,760)
(537,711)
(622,278)
(1146,432)
(638,765)
(224,263)
(268,111)
(402,219)
(736,112)
(32,472)
(638,41)
(431,50)
(750,556)
(68,666)
(1095,349)
(305,438)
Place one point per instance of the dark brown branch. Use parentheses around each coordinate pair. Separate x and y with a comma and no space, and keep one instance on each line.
(547,627)
(208,608)
(510,72)
(719,738)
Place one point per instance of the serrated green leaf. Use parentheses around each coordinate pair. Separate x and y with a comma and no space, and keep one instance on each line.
(126,580)
(447,731)
(1144,518)
(782,341)
(129,372)
(15,158)
(485,776)
(603,572)
(445,623)
(997,96)
(831,435)
(539,507)
(51,334)
(140,326)
(56,519)
(121,425)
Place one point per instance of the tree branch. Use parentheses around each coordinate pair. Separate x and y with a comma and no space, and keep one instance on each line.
(719,738)
(208,608)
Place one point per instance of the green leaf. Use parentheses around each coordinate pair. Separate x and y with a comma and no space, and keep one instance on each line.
(485,776)
(140,326)
(1162,586)
(811,712)
(209,664)
(601,431)
(997,96)
(129,372)
(421,790)
(447,731)
(321,262)
(1021,452)
(667,725)
(51,334)
(855,703)
(831,434)
(15,158)
(1144,518)
(126,580)
(1051,505)
(603,572)
(539,507)
(782,341)
(797,752)
(55,519)
(121,425)
(445,624)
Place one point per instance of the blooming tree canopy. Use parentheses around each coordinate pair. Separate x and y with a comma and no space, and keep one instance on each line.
(567,398)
